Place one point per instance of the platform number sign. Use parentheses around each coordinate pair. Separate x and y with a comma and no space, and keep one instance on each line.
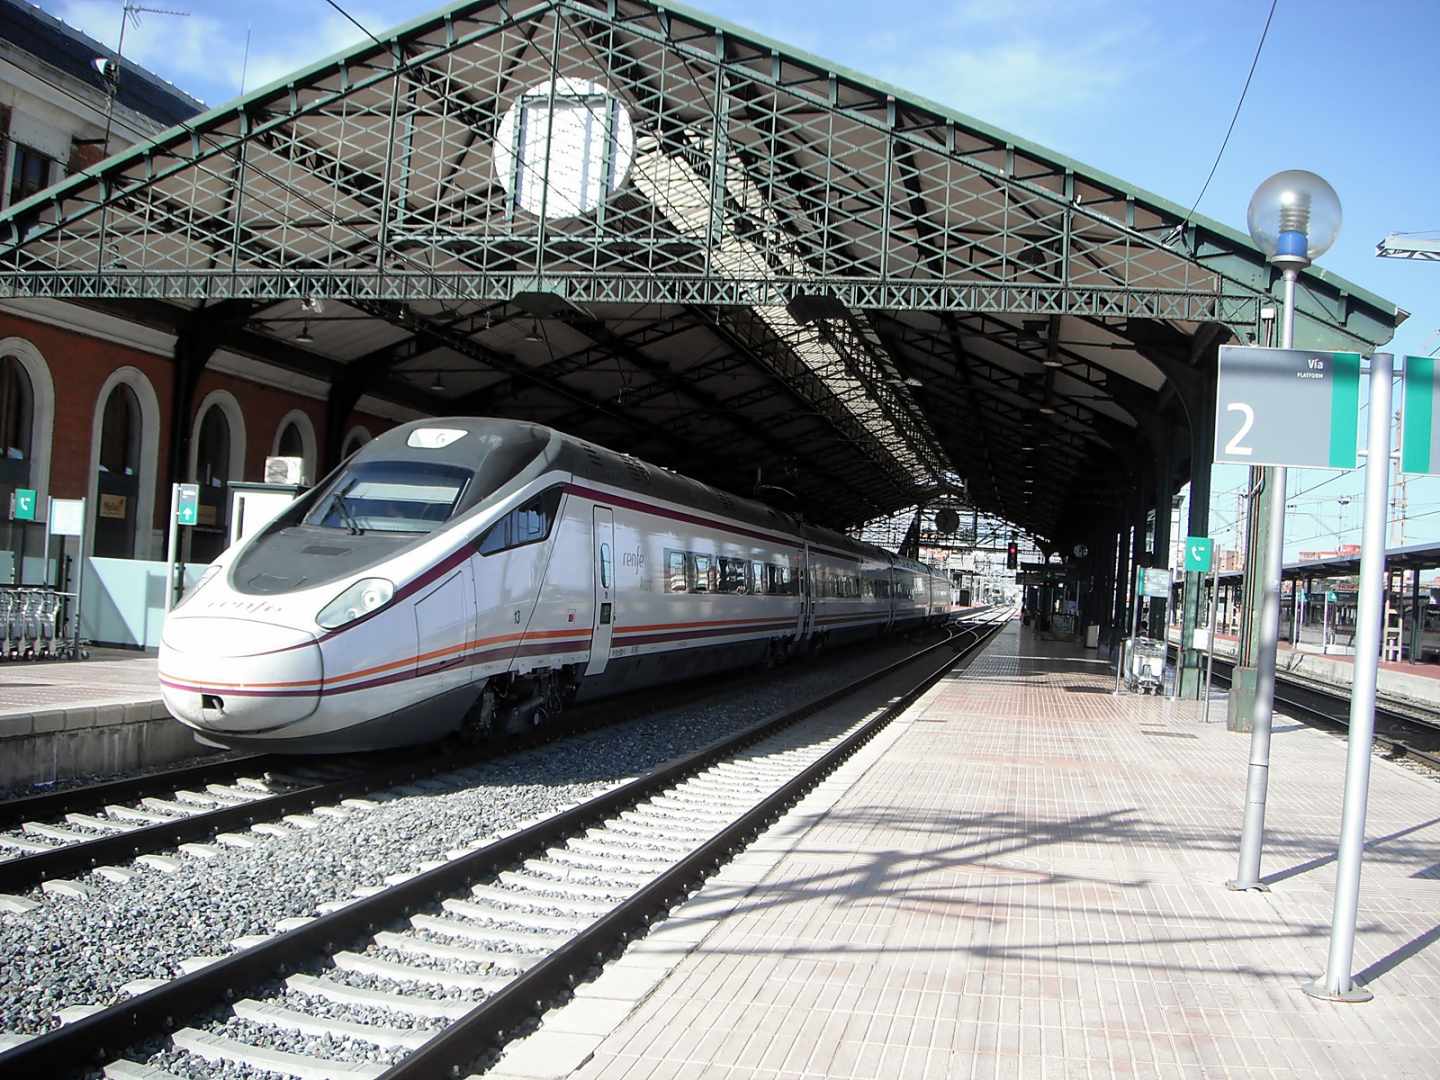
(22,505)
(187,506)
(1288,407)
(1420,445)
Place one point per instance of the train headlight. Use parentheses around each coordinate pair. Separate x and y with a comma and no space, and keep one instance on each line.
(210,572)
(365,596)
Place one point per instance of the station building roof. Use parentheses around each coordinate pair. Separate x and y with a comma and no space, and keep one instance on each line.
(1424,556)
(675,237)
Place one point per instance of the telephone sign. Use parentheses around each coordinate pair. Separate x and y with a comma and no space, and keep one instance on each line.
(23,504)
(1287,407)
(1199,552)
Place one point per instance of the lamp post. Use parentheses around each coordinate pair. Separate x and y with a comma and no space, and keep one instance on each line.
(1294,218)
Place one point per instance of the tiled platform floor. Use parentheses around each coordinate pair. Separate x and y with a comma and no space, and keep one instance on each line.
(1026,880)
(109,677)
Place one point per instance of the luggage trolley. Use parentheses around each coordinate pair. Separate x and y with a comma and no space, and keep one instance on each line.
(36,624)
(1145,665)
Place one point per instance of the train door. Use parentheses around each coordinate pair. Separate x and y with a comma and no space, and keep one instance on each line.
(444,628)
(805,584)
(604,626)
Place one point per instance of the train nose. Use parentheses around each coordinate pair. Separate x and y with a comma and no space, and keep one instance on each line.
(237,676)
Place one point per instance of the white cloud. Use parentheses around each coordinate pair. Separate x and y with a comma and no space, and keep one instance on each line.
(200,51)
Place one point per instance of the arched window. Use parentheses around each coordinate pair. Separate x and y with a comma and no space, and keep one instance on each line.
(17,409)
(117,484)
(290,443)
(212,473)
(17,421)
(355,438)
(295,438)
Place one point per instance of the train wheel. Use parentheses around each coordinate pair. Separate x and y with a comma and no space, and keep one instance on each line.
(479,723)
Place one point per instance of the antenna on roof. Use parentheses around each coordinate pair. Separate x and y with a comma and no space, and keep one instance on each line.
(111,72)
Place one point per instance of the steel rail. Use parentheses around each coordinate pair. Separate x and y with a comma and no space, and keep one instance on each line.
(90,796)
(523,1000)
(1315,702)
(92,1040)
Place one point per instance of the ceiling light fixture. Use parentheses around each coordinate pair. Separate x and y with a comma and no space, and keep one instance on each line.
(437,384)
(303,337)
(534,334)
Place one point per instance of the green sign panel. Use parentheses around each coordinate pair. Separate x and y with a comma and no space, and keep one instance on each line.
(187,507)
(1333,596)
(1199,551)
(23,505)
(1420,446)
(1289,407)
(1154,583)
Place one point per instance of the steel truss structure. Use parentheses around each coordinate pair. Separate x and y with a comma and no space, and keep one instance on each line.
(717,245)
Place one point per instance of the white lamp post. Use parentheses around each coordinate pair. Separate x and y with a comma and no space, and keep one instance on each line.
(1294,217)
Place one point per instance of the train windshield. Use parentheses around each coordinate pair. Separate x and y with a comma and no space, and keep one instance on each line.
(391,496)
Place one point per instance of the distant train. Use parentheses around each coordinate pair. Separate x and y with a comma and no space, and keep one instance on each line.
(466,575)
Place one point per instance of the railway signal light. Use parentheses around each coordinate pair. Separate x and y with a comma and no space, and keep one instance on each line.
(1012,556)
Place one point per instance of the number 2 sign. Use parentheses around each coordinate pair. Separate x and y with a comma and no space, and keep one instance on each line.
(1288,407)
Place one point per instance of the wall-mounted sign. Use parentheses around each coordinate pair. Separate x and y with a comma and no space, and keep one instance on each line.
(112,506)
(1287,407)
(67,517)
(22,505)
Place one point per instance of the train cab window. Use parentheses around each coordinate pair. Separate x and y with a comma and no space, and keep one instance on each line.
(390,496)
(527,524)
(675,571)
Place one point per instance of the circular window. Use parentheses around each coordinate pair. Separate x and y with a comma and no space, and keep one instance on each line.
(584,134)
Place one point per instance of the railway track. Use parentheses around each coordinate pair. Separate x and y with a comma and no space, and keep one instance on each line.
(1402,733)
(438,969)
(121,828)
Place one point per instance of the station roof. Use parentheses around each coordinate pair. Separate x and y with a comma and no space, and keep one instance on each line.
(678,238)
(1424,556)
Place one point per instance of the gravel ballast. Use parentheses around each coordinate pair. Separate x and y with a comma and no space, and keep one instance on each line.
(73,951)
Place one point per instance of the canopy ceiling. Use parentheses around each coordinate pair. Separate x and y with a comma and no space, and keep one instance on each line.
(678,238)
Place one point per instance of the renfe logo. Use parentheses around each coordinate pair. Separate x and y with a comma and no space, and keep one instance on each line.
(635,559)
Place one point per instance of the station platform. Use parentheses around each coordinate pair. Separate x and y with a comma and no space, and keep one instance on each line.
(65,718)
(1412,685)
(1023,876)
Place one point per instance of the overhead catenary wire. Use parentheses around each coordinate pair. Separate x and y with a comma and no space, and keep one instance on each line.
(1244,91)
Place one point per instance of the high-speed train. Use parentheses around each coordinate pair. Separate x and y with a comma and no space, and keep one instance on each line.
(467,575)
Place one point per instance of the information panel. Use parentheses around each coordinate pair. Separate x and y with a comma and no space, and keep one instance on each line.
(1420,446)
(1289,407)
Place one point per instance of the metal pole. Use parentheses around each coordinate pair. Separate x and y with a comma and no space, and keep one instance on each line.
(1252,836)
(1325,626)
(1210,639)
(1337,984)
(171,543)
(79,577)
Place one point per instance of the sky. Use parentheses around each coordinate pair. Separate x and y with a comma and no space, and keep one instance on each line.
(1141,90)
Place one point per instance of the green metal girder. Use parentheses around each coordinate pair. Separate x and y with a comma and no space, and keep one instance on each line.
(922,208)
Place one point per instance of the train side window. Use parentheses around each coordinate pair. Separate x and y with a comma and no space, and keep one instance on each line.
(701,573)
(757,576)
(606,571)
(732,575)
(675,571)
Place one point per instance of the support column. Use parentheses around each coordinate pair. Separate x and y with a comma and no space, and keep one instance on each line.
(339,404)
(1200,410)
(1164,510)
(1243,677)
